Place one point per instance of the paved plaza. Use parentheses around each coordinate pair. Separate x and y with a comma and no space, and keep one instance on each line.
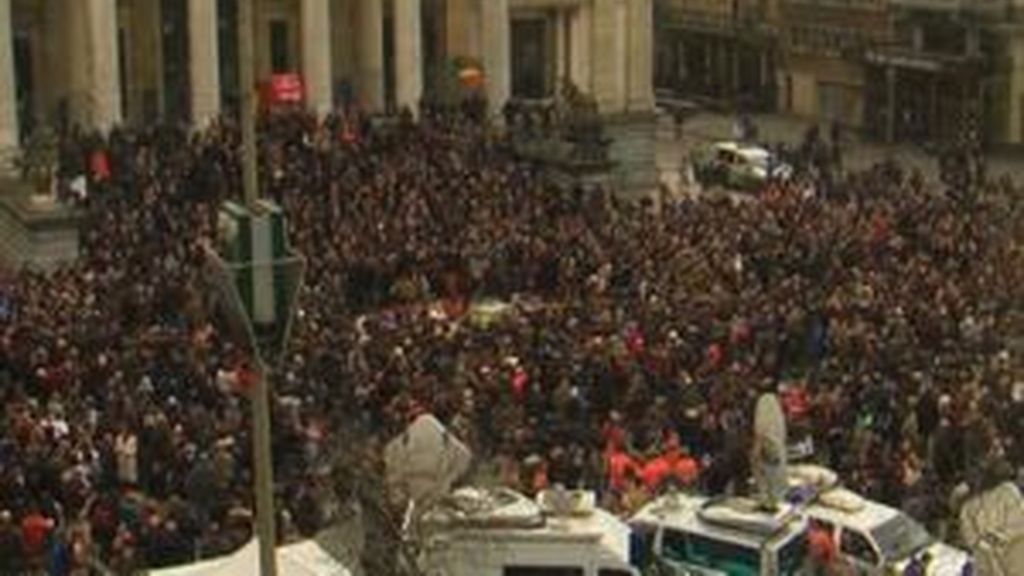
(707,127)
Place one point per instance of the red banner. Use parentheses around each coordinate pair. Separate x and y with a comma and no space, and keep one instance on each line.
(284,89)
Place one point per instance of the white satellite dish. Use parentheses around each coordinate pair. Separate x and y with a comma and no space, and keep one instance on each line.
(992,524)
(768,460)
(424,462)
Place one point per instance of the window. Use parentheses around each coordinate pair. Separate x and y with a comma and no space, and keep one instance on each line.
(673,545)
(530,58)
(725,556)
(613,572)
(792,556)
(279,46)
(542,571)
(857,546)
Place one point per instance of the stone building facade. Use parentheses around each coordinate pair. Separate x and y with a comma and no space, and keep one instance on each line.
(721,53)
(101,63)
(897,70)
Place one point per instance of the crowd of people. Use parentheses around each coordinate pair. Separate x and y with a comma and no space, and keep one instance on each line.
(628,350)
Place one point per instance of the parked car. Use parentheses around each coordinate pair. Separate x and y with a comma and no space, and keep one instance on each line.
(737,166)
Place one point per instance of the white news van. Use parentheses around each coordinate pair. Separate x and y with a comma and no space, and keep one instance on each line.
(731,536)
(503,533)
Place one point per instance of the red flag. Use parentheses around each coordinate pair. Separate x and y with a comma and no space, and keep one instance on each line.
(99,165)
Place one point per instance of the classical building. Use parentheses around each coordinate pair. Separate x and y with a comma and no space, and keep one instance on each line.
(934,80)
(719,52)
(899,70)
(822,70)
(100,63)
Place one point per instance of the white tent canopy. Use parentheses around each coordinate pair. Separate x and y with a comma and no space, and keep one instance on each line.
(305,558)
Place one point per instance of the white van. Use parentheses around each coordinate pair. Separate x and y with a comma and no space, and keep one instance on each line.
(503,533)
(721,537)
(871,537)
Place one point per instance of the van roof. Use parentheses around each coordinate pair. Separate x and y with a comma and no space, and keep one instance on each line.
(847,508)
(740,524)
(519,519)
(747,151)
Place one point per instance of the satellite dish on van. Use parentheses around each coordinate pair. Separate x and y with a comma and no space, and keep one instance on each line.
(768,460)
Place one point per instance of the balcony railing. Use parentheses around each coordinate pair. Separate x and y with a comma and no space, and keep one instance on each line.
(718,21)
(984,7)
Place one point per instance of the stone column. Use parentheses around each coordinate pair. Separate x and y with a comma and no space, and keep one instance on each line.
(641,55)
(561,49)
(463,28)
(610,43)
(9,138)
(497,38)
(204,61)
(582,21)
(408,55)
(104,83)
(316,55)
(370,55)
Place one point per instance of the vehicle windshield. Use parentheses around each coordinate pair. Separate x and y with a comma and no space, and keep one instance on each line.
(900,537)
(793,556)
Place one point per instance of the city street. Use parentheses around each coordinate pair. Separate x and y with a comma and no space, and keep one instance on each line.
(706,127)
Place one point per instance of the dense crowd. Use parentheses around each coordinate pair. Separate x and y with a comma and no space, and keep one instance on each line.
(633,345)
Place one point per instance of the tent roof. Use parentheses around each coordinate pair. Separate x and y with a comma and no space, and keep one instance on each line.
(305,558)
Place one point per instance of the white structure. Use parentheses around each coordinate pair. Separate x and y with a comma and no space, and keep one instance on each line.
(305,558)
(731,535)
(494,533)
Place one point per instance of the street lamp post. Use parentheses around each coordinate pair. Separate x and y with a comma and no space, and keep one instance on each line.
(262,456)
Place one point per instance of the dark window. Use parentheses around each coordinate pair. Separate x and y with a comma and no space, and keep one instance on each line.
(724,556)
(673,545)
(542,571)
(227,52)
(793,556)
(279,46)
(857,546)
(174,21)
(529,58)
(613,572)
(122,67)
(23,80)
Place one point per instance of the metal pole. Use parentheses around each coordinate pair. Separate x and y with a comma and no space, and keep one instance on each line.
(247,113)
(264,473)
(262,457)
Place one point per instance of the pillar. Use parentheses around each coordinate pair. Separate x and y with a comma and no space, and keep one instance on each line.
(316,55)
(641,55)
(408,55)
(103,93)
(561,49)
(463,28)
(204,61)
(582,21)
(8,92)
(370,55)
(610,43)
(497,46)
